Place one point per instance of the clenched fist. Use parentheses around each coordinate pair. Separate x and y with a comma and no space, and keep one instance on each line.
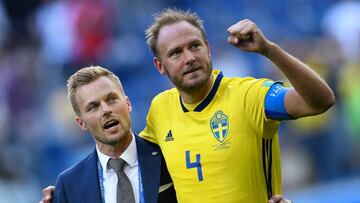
(248,37)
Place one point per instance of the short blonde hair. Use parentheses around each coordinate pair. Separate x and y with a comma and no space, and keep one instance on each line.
(167,17)
(85,76)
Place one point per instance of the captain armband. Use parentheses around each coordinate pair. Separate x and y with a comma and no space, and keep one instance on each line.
(275,103)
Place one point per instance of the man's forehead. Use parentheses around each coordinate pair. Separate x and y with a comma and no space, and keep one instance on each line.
(172,33)
(98,89)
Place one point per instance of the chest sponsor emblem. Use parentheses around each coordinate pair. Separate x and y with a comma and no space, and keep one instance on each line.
(219,125)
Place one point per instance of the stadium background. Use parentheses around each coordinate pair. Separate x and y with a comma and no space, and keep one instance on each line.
(43,41)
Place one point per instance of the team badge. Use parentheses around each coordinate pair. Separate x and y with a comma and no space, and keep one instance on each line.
(219,124)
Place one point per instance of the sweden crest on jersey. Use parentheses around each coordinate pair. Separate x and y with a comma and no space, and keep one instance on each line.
(219,124)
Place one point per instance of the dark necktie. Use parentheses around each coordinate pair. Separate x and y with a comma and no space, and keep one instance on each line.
(124,192)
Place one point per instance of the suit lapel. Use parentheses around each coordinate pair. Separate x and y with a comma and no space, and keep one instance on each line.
(149,160)
(89,180)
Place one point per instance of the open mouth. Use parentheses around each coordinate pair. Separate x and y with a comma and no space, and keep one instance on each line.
(110,123)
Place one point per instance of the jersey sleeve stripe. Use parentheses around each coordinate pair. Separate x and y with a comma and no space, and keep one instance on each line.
(270,167)
(267,164)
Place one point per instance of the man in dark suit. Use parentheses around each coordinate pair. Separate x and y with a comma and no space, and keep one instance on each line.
(103,109)
(83,180)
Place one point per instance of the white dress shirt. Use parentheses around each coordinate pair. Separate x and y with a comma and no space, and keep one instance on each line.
(130,169)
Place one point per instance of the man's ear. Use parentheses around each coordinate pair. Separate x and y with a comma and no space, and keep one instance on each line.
(208,47)
(159,67)
(81,123)
(128,103)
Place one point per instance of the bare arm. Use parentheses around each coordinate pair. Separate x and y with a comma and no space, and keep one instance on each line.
(310,96)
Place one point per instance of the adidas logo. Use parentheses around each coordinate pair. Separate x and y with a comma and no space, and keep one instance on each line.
(169,137)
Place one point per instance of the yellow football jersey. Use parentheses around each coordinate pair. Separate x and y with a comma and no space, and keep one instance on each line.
(222,150)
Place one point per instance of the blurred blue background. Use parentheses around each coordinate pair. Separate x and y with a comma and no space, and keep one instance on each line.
(42,42)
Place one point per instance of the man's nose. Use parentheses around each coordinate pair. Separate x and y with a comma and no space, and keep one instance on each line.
(106,108)
(189,57)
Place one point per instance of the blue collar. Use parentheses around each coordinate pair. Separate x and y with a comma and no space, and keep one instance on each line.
(208,98)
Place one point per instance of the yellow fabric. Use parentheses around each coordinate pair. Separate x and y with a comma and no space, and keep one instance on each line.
(232,165)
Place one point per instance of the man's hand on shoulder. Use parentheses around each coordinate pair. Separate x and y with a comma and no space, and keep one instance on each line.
(278,199)
(48,194)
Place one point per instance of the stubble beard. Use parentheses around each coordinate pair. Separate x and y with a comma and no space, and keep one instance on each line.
(116,138)
(193,86)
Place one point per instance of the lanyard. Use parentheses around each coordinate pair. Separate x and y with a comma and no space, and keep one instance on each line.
(101,181)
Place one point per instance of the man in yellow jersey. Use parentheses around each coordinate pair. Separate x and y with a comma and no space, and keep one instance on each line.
(219,135)
(106,100)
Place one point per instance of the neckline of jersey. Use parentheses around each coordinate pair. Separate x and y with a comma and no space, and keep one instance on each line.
(208,98)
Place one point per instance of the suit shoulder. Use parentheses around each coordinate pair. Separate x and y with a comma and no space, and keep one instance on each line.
(145,145)
(74,170)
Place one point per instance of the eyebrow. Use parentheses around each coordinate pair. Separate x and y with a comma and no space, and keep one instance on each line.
(178,48)
(196,41)
(111,94)
(93,103)
(175,49)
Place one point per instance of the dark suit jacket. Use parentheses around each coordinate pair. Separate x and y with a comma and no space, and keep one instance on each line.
(80,183)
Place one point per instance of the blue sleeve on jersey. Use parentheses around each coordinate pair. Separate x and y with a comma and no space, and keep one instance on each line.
(275,103)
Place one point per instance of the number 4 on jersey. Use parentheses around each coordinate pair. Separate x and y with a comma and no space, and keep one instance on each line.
(195,164)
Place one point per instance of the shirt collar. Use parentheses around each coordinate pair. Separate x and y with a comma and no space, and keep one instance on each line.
(129,155)
(204,103)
